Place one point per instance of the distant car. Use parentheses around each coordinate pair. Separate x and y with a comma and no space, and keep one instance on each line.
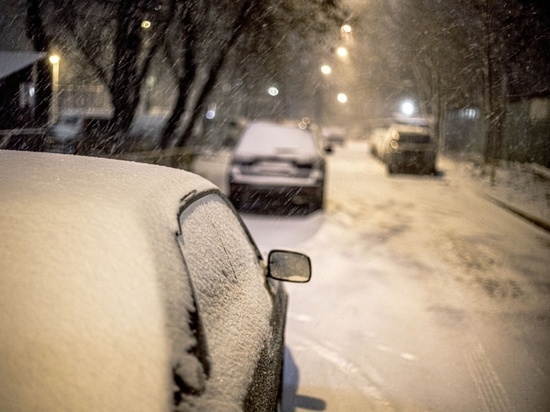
(408,148)
(334,135)
(278,165)
(133,287)
(67,133)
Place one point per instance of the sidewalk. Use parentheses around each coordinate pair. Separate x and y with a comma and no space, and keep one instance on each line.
(522,188)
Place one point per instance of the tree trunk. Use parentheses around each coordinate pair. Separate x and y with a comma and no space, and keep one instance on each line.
(172,124)
(215,68)
(125,84)
(36,33)
(185,83)
(199,104)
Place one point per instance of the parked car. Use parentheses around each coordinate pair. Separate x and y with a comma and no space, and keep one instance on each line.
(278,165)
(67,133)
(128,286)
(334,135)
(376,140)
(408,147)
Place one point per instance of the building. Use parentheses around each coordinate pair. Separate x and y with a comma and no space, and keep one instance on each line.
(17,88)
(18,114)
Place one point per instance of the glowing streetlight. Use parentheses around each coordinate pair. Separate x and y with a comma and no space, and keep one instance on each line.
(273,91)
(145,24)
(54,60)
(407,108)
(325,69)
(342,52)
(342,98)
(346,28)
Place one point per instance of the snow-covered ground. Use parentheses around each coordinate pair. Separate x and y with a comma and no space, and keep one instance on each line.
(525,187)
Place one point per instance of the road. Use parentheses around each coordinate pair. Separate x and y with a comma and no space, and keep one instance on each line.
(425,296)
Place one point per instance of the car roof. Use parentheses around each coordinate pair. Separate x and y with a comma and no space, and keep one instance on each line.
(87,249)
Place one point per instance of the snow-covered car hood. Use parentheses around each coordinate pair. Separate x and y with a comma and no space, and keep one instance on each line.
(87,247)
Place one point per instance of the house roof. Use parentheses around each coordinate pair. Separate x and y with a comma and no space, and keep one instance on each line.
(12,62)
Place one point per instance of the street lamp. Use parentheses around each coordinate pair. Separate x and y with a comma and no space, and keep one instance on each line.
(407,108)
(54,60)
(342,98)
(273,91)
(325,69)
(342,52)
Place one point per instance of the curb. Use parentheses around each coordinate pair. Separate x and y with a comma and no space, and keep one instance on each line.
(540,171)
(540,222)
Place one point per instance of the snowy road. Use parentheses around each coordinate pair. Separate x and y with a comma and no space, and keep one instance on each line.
(425,297)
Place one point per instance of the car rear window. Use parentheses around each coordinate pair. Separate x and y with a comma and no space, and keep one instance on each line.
(270,139)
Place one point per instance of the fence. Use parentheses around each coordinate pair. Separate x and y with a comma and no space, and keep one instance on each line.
(525,132)
(24,139)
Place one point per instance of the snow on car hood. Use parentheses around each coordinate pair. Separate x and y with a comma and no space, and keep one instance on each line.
(87,249)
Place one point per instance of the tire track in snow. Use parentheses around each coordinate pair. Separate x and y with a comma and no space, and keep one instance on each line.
(490,389)
(365,383)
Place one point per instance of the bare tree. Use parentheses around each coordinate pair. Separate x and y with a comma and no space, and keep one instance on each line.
(108,40)
(453,57)
(186,60)
(196,37)
(252,31)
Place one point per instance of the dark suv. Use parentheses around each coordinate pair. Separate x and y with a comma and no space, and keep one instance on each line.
(409,147)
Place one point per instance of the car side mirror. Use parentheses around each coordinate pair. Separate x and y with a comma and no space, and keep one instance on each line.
(289,266)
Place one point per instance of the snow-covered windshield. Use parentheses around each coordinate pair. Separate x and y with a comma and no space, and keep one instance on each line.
(265,139)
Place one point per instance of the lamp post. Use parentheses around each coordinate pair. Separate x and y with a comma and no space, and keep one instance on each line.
(54,60)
